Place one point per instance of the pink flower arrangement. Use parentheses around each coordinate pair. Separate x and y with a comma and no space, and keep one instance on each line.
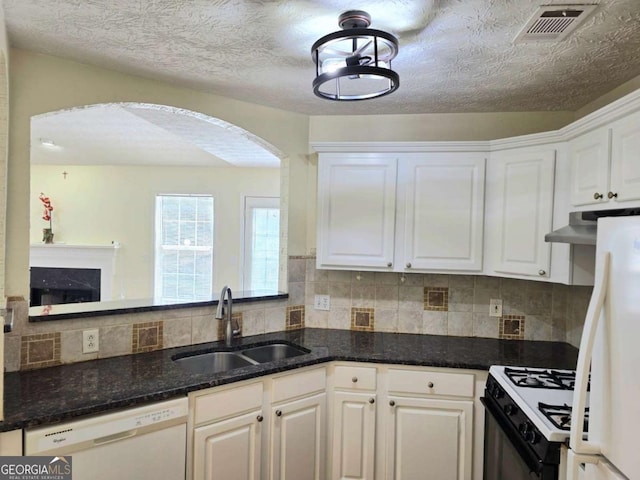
(48,208)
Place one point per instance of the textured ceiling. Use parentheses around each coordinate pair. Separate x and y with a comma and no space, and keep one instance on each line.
(455,55)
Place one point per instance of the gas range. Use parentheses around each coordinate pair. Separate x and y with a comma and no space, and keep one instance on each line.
(544,396)
(528,413)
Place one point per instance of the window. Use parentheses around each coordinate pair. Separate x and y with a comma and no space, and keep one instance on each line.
(184,248)
(261,243)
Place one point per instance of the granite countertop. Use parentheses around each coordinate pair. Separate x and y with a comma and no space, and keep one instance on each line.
(61,393)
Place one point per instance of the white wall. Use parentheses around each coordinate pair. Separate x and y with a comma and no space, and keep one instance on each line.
(95,205)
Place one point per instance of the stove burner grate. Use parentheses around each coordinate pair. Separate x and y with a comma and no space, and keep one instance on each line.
(541,378)
(560,415)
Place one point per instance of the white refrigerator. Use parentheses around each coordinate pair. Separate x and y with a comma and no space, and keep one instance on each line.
(610,350)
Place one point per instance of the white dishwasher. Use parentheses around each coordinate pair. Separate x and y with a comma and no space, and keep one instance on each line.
(140,443)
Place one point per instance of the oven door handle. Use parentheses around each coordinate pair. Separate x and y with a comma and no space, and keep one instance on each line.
(530,458)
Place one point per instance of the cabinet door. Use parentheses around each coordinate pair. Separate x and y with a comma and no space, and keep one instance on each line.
(590,167)
(356,210)
(229,449)
(442,200)
(522,190)
(429,439)
(354,432)
(298,439)
(625,159)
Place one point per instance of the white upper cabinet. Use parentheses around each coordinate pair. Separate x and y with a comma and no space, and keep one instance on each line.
(625,159)
(590,167)
(520,183)
(605,165)
(441,200)
(401,212)
(356,210)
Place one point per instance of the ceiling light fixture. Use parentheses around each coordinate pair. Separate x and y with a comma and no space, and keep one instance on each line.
(355,63)
(47,142)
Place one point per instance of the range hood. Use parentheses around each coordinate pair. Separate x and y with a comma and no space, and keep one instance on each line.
(583,226)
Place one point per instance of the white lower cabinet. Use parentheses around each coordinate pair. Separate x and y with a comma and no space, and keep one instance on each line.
(227,438)
(429,439)
(354,436)
(383,423)
(298,439)
(229,449)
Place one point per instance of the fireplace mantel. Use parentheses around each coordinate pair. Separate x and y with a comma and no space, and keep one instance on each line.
(60,255)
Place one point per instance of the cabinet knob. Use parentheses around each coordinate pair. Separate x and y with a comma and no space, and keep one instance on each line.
(372,401)
(354,379)
(389,264)
(278,413)
(611,195)
(597,196)
(430,385)
(392,403)
(542,273)
(408,265)
(259,418)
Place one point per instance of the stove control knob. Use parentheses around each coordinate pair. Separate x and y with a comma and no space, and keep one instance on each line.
(510,409)
(532,437)
(497,393)
(524,428)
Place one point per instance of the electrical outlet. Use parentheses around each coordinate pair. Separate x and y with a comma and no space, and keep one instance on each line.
(90,341)
(322,302)
(495,307)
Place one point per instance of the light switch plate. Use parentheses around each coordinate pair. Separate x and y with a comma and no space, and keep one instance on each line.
(495,307)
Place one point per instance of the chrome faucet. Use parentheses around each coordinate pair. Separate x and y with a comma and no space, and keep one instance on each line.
(229,331)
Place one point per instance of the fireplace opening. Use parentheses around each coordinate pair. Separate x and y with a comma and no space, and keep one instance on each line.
(54,286)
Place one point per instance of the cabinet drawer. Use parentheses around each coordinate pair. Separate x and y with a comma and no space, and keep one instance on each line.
(227,402)
(299,384)
(431,383)
(355,378)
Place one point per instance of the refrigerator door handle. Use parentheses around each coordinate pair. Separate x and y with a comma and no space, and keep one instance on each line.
(576,441)
(574,460)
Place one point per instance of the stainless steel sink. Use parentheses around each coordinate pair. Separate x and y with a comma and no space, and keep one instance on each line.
(217,362)
(273,352)
(213,362)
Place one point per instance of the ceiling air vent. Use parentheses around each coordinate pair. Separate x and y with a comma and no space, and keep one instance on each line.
(553,23)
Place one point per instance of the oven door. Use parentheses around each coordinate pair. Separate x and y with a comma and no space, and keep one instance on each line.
(506,455)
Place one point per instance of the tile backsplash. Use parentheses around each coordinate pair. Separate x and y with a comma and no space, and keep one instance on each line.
(444,304)
(363,301)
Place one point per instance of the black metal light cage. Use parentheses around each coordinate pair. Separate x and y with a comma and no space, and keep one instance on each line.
(385,48)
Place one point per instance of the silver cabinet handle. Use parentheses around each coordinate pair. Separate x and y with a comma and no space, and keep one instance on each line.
(597,196)
(372,401)
(259,418)
(389,264)
(392,403)
(541,272)
(611,195)
(430,385)
(408,265)
(354,379)
(278,413)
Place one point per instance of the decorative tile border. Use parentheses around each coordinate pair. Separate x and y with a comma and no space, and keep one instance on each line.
(236,322)
(512,327)
(295,317)
(40,350)
(146,337)
(362,319)
(436,299)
